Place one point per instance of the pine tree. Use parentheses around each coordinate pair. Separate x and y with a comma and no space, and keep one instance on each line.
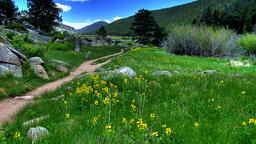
(145,28)
(102,33)
(44,14)
(8,10)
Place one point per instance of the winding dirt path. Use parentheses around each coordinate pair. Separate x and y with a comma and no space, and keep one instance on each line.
(11,106)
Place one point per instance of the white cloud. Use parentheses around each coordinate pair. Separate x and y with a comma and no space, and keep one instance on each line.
(65,8)
(77,0)
(116,18)
(79,25)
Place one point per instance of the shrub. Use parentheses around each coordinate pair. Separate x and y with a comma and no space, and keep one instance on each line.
(248,43)
(201,41)
(10,35)
(59,46)
(25,45)
(16,26)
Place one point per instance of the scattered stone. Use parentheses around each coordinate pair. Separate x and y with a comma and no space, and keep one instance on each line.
(238,64)
(24,98)
(28,25)
(57,62)
(209,72)
(37,133)
(4,71)
(35,120)
(127,71)
(36,61)
(40,71)
(162,73)
(58,98)
(62,69)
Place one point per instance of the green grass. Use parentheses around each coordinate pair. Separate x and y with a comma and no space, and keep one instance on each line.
(11,86)
(198,108)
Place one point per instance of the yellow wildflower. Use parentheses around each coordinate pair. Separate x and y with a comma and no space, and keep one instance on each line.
(124,120)
(132,121)
(17,135)
(106,101)
(152,116)
(141,125)
(243,123)
(133,107)
(196,124)
(106,90)
(115,94)
(67,116)
(96,102)
(95,120)
(252,121)
(111,85)
(168,131)
(108,128)
(164,126)
(154,134)
(103,82)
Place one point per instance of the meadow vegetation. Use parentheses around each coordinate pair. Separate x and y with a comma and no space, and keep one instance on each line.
(187,107)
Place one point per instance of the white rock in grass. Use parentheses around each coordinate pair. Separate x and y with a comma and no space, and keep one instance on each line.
(35,120)
(127,71)
(209,72)
(162,73)
(37,133)
(238,64)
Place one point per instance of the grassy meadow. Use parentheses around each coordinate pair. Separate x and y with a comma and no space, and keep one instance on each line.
(186,107)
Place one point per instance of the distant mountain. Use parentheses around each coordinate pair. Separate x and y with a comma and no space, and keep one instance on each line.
(62,27)
(92,28)
(166,18)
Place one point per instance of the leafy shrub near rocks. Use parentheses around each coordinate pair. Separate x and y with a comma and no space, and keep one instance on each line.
(16,26)
(27,47)
(202,41)
(66,46)
(248,43)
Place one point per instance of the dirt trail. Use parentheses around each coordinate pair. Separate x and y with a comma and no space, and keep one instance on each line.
(11,106)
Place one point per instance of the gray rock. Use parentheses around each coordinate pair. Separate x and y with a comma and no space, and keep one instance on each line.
(62,69)
(7,56)
(19,54)
(57,62)
(35,120)
(40,71)
(37,133)
(162,73)
(208,72)
(4,71)
(127,71)
(28,25)
(36,61)
(15,70)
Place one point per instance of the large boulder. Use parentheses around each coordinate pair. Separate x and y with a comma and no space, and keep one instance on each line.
(14,69)
(10,60)
(36,61)
(127,71)
(7,56)
(37,133)
(40,71)
(28,25)
(4,71)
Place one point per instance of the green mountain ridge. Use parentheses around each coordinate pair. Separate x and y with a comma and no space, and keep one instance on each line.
(182,14)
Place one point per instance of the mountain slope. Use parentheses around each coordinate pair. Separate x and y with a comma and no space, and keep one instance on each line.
(93,27)
(167,17)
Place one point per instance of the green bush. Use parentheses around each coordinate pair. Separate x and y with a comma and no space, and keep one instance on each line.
(10,35)
(16,26)
(58,46)
(202,41)
(248,43)
(25,45)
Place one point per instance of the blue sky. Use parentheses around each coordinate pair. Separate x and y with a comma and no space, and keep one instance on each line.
(79,13)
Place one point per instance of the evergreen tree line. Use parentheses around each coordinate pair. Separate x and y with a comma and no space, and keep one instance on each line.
(43,14)
(238,15)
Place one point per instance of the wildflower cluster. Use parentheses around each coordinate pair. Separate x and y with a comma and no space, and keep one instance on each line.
(251,121)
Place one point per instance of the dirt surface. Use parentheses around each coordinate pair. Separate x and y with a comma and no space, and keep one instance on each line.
(11,106)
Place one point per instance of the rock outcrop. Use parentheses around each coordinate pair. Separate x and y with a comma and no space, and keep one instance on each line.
(11,59)
(36,64)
